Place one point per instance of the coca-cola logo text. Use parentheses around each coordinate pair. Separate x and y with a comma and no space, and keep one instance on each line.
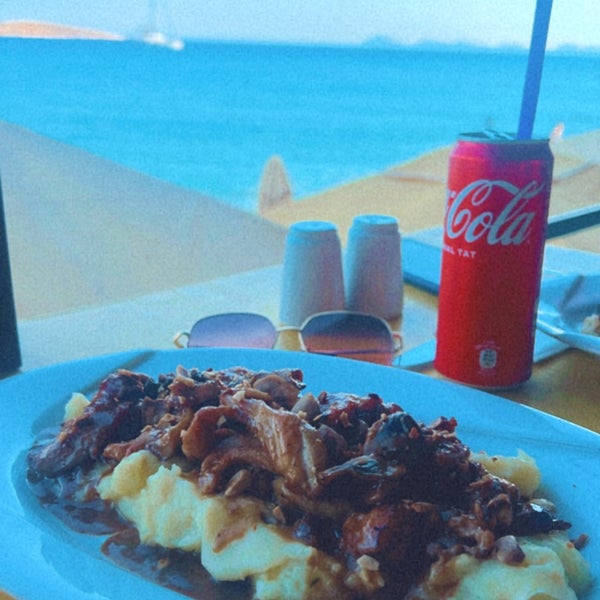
(512,225)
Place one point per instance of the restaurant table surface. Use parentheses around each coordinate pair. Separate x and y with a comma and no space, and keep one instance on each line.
(566,385)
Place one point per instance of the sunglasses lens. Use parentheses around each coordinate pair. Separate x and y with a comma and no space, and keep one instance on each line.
(351,335)
(233,330)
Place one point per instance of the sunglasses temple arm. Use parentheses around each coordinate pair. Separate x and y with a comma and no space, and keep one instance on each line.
(398,341)
(179,337)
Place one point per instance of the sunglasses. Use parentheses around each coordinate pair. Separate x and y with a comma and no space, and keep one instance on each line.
(337,333)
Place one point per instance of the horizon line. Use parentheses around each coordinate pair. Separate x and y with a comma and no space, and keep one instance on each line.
(26,29)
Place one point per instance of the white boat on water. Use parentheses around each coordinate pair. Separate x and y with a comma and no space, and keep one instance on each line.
(159,23)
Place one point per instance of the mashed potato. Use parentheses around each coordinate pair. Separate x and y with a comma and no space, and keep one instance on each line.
(74,407)
(234,542)
(577,570)
(542,575)
(229,535)
(521,470)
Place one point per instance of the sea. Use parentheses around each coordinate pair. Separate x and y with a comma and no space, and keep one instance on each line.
(210,116)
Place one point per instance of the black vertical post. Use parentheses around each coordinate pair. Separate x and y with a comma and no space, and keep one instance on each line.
(10,355)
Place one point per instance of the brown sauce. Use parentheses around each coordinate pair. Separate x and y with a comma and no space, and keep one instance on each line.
(179,571)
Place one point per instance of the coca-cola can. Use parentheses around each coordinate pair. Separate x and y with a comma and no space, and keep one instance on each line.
(494,233)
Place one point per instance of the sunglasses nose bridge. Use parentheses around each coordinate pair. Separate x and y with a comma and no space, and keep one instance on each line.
(290,338)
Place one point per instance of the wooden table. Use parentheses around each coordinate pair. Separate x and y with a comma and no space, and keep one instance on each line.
(566,385)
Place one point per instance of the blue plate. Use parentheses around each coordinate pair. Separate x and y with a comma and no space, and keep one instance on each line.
(40,558)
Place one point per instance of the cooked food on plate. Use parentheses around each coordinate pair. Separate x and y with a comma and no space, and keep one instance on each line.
(242,483)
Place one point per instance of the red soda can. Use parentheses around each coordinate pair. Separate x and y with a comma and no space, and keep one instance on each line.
(494,234)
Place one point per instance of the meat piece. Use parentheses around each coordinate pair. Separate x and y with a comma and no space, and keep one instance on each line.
(364,479)
(207,429)
(127,410)
(308,407)
(396,436)
(366,467)
(317,531)
(401,459)
(443,476)
(245,431)
(162,439)
(395,535)
(351,415)
(232,455)
(508,550)
(466,533)
(166,418)
(444,424)
(326,508)
(109,417)
(493,502)
(532,518)
(296,449)
(281,387)
(194,393)
(580,541)
(495,515)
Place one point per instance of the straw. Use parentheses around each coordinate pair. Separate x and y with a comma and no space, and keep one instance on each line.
(533,78)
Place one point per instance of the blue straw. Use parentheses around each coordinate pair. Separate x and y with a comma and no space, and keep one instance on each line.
(533,78)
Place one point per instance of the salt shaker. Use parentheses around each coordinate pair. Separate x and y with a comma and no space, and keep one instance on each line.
(312,272)
(373,268)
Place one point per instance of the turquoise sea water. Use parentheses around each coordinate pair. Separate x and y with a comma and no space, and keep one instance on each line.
(209,117)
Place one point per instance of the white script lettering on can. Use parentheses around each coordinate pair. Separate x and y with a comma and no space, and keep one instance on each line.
(511,226)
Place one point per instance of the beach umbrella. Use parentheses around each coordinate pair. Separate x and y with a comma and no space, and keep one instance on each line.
(275,188)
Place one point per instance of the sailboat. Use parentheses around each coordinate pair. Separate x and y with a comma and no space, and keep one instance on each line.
(154,33)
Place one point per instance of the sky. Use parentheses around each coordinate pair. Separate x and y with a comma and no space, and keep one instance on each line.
(482,22)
